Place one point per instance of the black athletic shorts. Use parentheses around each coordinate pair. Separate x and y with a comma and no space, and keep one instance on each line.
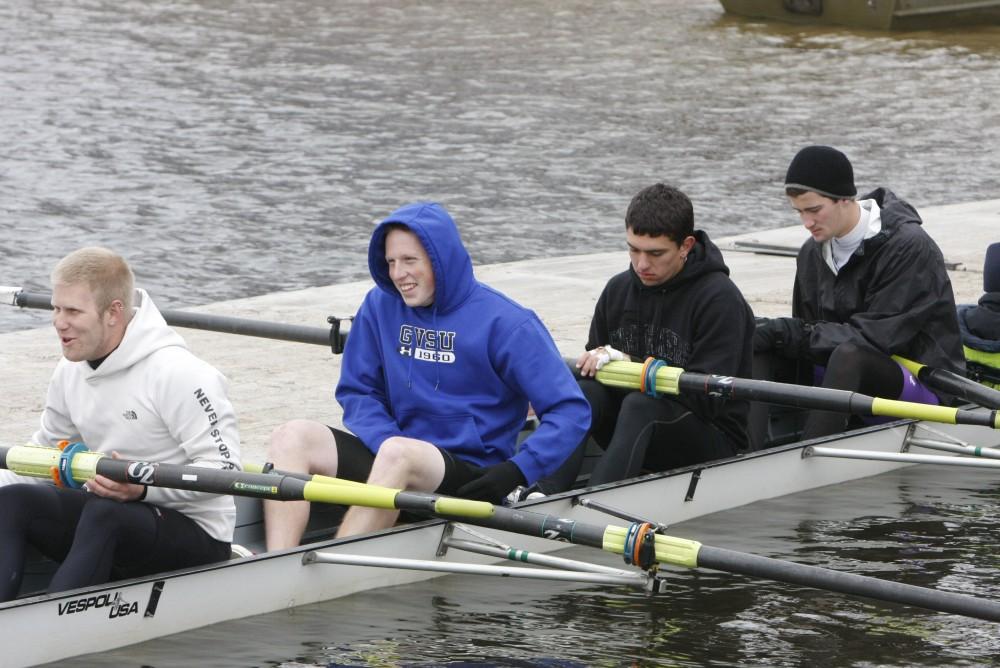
(354,462)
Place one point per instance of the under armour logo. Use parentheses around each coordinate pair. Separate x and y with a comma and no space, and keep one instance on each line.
(130,415)
(405,350)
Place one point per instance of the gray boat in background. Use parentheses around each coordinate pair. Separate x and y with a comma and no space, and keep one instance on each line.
(871,14)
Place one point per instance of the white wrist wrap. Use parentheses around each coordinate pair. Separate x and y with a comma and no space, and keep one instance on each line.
(609,355)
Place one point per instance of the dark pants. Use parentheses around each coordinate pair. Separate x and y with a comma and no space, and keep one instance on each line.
(851,367)
(96,539)
(856,369)
(639,432)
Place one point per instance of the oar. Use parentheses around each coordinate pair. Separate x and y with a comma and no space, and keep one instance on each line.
(952,383)
(657,548)
(332,337)
(673,380)
(38,462)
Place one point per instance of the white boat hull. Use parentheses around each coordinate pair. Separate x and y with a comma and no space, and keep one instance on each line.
(52,627)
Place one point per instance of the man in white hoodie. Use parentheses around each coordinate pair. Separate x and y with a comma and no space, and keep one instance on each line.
(127,386)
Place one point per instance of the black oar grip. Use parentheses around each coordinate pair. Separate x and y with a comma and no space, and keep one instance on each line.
(200,479)
(799,396)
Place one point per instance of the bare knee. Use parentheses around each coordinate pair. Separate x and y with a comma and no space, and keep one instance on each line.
(303,445)
(398,463)
(393,455)
(403,462)
(287,439)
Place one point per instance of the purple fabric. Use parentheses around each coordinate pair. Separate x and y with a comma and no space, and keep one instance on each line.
(913,391)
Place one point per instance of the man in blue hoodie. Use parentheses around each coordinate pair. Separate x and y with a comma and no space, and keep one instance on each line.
(436,379)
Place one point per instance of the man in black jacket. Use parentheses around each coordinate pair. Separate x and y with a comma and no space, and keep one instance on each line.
(676,303)
(869,284)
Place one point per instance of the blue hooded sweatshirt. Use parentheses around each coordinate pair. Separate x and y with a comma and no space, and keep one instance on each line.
(460,372)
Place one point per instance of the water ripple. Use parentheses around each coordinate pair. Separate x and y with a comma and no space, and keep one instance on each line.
(233,151)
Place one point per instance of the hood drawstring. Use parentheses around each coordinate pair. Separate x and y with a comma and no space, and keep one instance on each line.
(437,349)
(436,360)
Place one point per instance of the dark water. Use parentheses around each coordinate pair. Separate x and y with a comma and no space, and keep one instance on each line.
(238,148)
(930,526)
(231,149)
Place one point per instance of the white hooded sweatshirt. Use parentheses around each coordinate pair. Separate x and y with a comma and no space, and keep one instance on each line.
(151,400)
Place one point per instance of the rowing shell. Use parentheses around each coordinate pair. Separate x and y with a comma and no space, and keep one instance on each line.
(110,616)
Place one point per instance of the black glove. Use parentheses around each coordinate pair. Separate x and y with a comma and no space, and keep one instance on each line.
(494,484)
(788,337)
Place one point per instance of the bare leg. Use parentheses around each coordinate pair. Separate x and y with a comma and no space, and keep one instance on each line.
(401,463)
(302,446)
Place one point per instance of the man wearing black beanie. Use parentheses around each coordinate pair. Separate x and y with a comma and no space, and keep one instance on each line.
(869,284)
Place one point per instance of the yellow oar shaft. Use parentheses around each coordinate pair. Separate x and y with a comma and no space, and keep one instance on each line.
(906,409)
(349,493)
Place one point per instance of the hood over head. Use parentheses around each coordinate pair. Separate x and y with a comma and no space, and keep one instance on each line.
(437,232)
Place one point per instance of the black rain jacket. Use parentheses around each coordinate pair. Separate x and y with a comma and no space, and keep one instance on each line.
(893,294)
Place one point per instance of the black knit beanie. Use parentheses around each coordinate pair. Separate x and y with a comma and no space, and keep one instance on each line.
(824,170)
(991,269)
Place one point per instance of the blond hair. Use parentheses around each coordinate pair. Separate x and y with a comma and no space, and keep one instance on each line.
(106,273)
